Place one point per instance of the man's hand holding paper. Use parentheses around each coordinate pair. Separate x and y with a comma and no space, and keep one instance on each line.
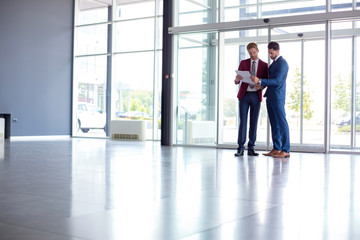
(245,76)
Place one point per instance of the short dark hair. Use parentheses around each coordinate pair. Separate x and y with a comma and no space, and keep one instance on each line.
(274,45)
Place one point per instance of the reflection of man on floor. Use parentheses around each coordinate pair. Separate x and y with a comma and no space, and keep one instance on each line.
(275,102)
(249,97)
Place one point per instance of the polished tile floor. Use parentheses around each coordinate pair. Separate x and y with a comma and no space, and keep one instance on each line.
(99,189)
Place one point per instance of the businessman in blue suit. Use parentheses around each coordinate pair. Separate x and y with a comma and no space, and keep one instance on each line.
(275,101)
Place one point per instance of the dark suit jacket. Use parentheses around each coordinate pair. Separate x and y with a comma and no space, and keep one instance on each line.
(276,84)
(262,72)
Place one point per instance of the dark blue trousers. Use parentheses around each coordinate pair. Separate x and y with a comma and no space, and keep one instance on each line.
(279,125)
(249,101)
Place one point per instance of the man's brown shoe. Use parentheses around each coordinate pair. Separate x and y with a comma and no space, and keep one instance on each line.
(282,154)
(272,153)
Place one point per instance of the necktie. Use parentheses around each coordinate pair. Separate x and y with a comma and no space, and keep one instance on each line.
(253,73)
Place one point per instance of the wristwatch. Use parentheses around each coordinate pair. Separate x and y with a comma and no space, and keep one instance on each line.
(259,81)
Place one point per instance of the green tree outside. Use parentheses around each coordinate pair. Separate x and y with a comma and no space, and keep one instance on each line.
(343,95)
(139,101)
(295,96)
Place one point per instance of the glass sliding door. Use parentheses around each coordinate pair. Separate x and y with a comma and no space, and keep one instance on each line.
(196,89)
(345,94)
(232,51)
(303,48)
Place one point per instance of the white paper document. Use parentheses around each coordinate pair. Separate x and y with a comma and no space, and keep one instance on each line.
(245,75)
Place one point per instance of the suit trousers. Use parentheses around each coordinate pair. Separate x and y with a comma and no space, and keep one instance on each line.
(279,125)
(249,101)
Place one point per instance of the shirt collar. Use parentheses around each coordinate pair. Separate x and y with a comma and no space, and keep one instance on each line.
(277,58)
(257,60)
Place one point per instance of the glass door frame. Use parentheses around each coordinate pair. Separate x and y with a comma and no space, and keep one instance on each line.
(273,23)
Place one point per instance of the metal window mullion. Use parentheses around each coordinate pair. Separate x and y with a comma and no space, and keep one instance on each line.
(268,120)
(353,94)
(221,13)
(132,19)
(220,92)
(109,67)
(73,87)
(92,55)
(93,24)
(112,72)
(355,74)
(327,95)
(155,84)
(302,93)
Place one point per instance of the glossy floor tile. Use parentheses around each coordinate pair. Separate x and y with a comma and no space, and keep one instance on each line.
(99,189)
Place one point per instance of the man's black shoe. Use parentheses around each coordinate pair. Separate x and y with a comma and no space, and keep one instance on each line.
(240,153)
(251,152)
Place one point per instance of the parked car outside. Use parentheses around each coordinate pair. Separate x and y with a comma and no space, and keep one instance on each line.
(90,117)
(347,121)
(136,115)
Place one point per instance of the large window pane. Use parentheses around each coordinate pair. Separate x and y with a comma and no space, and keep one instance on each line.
(341,5)
(313,98)
(139,9)
(132,88)
(196,12)
(92,39)
(93,11)
(345,93)
(196,96)
(90,96)
(242,9)
(134,35)
(341,55)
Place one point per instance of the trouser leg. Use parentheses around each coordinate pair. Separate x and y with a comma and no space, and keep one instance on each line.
(275,133)
(243,112)
(255,105)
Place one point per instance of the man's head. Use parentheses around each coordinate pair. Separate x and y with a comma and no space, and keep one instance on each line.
(273,50)
(253,50)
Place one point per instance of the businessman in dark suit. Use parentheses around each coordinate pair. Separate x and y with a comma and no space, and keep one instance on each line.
(250,98)
(275,102)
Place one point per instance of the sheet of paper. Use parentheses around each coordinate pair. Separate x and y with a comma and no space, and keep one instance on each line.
(246,76)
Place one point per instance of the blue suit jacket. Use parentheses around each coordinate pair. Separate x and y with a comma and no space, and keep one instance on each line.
(276,84)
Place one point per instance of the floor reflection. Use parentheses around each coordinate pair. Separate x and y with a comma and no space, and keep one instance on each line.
(96,189)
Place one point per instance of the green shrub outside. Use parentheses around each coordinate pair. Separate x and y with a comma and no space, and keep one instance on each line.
(348,129)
